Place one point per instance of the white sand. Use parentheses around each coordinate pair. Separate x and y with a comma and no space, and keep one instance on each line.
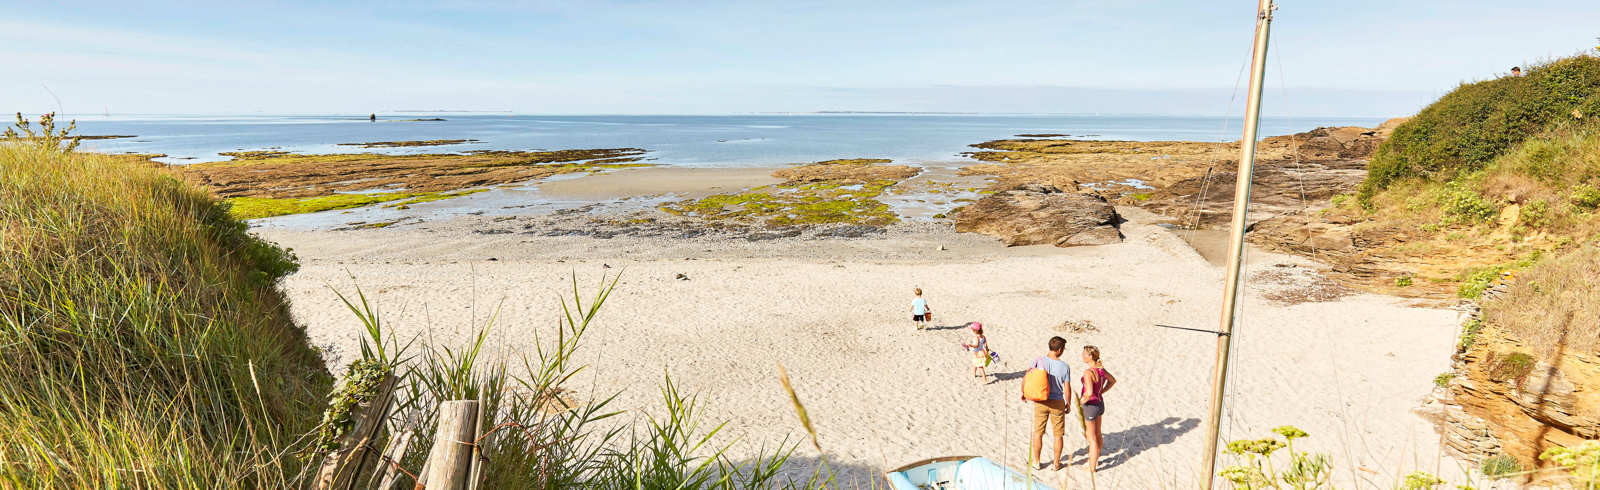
(836,314)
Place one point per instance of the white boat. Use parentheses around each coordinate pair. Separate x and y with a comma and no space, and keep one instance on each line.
(960,473)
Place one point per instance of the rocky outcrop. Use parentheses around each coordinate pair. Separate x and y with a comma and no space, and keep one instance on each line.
(853,171)
(1278,188)
(1504,400)
(1038,214)
(1340,142)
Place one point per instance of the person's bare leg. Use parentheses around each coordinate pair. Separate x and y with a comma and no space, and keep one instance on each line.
(1096,441)
(1038,445)
(1055,464)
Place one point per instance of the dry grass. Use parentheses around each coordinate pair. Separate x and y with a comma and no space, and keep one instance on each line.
(1555,303)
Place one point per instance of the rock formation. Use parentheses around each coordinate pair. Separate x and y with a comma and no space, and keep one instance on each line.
(1038,214)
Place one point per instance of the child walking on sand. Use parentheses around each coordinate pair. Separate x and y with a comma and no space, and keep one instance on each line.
(980,353)
(920,314)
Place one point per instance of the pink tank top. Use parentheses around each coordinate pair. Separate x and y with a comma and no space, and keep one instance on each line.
(1091,393)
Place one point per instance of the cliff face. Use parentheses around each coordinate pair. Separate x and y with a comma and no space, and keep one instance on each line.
(1527,403)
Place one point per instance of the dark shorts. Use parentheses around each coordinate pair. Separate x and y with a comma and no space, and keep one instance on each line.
(919,318)
(1094,410)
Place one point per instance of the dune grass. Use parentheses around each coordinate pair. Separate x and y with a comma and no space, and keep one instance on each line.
(145,344)
(541,437)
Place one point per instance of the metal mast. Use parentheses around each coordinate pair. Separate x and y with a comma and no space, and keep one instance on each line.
(1241,203)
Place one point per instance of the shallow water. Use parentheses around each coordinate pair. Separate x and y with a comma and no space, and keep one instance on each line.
(730,140)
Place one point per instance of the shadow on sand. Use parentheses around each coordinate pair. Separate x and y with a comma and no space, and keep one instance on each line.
(948,327)
(1123,446)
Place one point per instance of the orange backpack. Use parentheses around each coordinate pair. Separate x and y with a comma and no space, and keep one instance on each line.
(1036,385)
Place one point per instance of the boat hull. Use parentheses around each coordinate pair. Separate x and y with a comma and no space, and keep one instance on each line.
(959,473)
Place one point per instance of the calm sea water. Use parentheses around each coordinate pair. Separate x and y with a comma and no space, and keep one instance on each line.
(731,140)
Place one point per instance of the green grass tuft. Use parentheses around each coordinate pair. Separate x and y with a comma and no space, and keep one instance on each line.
(145,343)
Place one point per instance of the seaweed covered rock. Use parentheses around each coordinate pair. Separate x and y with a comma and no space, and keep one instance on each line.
(1036,214)
(850,171)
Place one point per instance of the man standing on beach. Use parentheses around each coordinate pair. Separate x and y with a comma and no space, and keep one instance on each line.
(1053,411)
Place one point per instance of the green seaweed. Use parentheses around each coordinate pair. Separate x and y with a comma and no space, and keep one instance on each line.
(266,207)
(795,204)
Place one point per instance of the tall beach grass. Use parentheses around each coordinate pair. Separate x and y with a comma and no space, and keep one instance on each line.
(143,340)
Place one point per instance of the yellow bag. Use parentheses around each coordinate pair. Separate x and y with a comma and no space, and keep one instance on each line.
(1036,385)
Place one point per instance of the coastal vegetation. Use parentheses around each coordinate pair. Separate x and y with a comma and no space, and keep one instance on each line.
(145,343)
(266,207)
(1490,193)
(833,191)
(265,183)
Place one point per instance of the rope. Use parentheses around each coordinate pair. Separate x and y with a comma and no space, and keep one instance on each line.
(1294,149)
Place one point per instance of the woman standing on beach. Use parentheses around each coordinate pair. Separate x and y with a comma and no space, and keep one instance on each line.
(1096,381)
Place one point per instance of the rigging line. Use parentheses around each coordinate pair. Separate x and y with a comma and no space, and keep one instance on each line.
(1216,149)
(1294,148)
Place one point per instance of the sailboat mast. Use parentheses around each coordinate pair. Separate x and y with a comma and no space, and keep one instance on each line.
(1241,203)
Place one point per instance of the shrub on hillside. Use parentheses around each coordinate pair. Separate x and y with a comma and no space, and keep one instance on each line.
(1476,122)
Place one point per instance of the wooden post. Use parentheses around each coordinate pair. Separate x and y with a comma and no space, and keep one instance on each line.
(1241,206)
(451,457)
(341,466)
(387,474)
(475,478)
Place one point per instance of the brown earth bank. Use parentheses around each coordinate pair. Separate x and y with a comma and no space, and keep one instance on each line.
(275,174)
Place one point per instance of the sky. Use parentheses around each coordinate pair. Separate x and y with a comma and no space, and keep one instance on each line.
(1355,58)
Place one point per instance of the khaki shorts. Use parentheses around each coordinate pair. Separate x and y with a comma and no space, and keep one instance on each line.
(1052,413)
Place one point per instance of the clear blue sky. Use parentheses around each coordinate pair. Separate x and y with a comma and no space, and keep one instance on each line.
(1345,58)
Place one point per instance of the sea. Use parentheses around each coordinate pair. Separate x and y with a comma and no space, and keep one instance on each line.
(681,140)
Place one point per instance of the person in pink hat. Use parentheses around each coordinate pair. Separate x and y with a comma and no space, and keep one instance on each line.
(980,353)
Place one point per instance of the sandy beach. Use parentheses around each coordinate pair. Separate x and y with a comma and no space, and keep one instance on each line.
(720,311)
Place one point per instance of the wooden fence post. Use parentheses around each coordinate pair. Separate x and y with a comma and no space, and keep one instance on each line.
(341,466)
(451,457)
(387,474)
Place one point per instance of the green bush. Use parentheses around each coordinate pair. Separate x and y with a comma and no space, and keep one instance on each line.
(1534,214)
(1514,366)
(1582,460)
(1469,333)
(1585,196)
(1463,205)
(1443,379)
(1476,122)
(1477,279)
(1499,466)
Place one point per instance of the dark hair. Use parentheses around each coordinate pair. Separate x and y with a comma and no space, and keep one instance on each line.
(1058,344)
(1516,68)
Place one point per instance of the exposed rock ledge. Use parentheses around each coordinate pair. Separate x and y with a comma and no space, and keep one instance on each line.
(1490,408)
(1038,214)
